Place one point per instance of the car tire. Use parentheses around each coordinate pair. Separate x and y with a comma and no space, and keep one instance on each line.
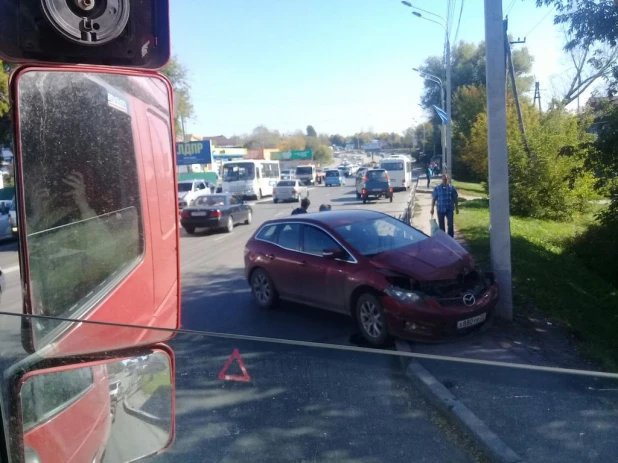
(263,289)
(229,226)
(249,217)
(189,229)
(371,319)
(275,200)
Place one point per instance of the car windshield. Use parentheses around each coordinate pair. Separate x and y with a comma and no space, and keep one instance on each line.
(333,173)
(372,237)
(211,200)
(304,170)
(184,187)
(238,171)
(287,183)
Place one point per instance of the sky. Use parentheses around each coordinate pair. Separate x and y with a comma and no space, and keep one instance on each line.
(339,65)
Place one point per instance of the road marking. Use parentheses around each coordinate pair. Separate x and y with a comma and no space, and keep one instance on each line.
(223,237)
(10,269)
(278,214)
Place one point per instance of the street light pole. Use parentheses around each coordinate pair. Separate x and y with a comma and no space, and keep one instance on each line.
(437,80)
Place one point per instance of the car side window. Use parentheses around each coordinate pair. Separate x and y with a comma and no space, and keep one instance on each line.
(234,200)
(268,233)
(289,236)
(315,241)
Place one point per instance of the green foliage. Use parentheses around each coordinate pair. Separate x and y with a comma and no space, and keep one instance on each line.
(337,140)
(311,131)
(322,155)
(553,183)
(5,123)
(177,73)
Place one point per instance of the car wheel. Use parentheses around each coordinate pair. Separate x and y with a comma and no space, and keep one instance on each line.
(249,217)
(371,319)
(263,289)
(275,200)
(229,226)
(189,229)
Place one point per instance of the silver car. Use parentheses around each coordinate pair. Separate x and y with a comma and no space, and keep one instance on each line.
(289,190)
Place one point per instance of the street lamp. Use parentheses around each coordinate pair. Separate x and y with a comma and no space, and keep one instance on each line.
(438,81)
(444,24)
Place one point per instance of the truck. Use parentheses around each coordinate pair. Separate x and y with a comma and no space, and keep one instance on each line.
(307,174)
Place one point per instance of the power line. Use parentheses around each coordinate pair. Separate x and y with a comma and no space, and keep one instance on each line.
(537,24)
(459,21)
(510,7)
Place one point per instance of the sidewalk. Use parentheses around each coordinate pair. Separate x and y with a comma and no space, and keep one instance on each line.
(541,415)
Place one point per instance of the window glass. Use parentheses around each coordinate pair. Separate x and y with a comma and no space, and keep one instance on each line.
(304,170)
(238,171)
(275,170)
(333,173)
(288,236)
(287,183)
(42,396)
(378,175)
(315,241)
(81,190)
(210,200)
(234,200)
(392,165)
(184,187)
(268,233)
(371,237)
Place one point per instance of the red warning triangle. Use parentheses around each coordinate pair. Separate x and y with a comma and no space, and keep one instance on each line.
(245,378)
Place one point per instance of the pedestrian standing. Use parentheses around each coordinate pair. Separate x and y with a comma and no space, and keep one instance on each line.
(429,173)
(446,197)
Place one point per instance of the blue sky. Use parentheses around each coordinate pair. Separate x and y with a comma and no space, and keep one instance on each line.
(340,65)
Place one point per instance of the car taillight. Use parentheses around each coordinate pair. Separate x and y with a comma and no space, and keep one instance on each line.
(294,191)
(364,191)
(185,214)
(390,190)
(388,177)
(215,213)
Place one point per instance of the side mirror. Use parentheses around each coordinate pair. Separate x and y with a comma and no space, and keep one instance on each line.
(120,407)
(82,208)
(335,253)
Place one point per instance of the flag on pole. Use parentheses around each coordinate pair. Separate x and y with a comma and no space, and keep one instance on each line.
(442,114)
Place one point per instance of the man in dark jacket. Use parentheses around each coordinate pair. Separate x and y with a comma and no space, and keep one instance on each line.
(304,205)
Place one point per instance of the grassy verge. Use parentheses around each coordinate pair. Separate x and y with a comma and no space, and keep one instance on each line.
(470,189)
(548,274)
(159,379)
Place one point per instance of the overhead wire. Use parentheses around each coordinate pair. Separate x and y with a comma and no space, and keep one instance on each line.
(510,7)
(537,24)
(459,21)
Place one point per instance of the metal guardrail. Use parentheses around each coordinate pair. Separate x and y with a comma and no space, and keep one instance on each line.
(408,213)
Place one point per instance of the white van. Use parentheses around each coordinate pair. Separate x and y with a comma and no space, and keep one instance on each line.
(400,172)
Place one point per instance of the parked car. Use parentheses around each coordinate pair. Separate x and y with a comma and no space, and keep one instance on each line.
(390,277)
(188,190)
(218,211)
(289,190)
(374,184)
(334,177)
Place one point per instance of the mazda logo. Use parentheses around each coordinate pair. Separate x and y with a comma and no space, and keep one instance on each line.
(469,299)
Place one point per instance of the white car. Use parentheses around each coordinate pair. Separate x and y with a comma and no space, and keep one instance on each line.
(289,190)
(188,190)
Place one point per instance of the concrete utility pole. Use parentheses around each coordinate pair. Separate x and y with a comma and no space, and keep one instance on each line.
(500,229)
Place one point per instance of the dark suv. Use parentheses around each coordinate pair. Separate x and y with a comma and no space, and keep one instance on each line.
(374,184)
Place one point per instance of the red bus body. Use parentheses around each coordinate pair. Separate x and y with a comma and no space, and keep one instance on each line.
(150,295)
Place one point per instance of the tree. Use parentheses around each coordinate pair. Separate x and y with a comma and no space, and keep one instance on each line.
(262,137)
(311,131)
(5,123)
(323,155)
(337,140)
(177,73)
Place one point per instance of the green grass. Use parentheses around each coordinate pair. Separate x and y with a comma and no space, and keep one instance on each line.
(470,189)
(159,379)
(549,275)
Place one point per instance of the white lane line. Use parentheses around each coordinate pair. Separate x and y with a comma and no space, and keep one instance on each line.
(278,214)
(14,268)
(223,237)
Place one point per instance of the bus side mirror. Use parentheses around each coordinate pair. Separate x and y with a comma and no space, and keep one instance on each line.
(95,159)
(119,407)
(126,33)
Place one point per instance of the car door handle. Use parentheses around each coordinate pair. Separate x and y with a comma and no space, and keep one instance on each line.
(270,256)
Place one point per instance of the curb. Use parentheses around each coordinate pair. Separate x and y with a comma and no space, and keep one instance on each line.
(492,446)
(147,417)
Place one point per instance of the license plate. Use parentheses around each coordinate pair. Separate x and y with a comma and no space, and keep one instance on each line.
(198,214)
(471,321)
(376,190)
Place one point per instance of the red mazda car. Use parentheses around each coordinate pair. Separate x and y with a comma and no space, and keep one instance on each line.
(390,277)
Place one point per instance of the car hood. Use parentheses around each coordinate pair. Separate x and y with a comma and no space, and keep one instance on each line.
(436,258)
(182,194)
